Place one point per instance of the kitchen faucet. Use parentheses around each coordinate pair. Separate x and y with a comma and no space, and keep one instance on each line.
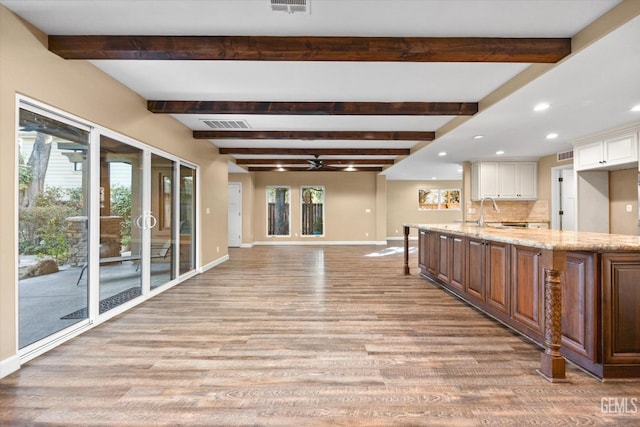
(495,208)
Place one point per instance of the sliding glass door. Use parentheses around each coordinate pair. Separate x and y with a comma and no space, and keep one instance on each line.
(53,200)
(163,252)
(103,220)
(187,218)
(121,223)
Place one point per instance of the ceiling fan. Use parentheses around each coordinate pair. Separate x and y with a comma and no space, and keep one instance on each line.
(315,163)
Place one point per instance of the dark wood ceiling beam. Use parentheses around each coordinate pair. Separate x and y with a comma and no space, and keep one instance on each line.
(317,151)
(267,48)
(315,108)
(345,162)
(315,135)
(322,169)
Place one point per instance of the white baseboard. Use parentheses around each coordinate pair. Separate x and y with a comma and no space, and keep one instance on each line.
(246,245)
(9,365)
(214,263)
(401,238)
(318,243)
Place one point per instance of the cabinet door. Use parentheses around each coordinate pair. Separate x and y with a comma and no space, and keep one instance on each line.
(588,156)
(484,180)
(621,307)
(497,275)
(620,151)
(433,249)
(579,305)
(423,250)
(527,287)
(527,181)
(458,262)
(509,180)
(444,261)
(475,269)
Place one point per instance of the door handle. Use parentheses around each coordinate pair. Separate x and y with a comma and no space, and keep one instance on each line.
(138,221)
(152,221)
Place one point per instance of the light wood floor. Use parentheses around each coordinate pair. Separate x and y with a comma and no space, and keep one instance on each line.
(303,336)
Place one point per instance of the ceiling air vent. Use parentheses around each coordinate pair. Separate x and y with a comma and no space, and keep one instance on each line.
(226,124)
(565,155)
(291,6)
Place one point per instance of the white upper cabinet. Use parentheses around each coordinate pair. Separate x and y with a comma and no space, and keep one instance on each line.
(504,180)
(607,154)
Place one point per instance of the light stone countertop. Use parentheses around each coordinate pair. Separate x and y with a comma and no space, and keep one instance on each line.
(541,238)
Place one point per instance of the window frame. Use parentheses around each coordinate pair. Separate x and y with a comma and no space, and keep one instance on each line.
(268,187)
(324,204)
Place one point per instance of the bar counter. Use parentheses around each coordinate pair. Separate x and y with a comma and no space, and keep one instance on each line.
(575,293)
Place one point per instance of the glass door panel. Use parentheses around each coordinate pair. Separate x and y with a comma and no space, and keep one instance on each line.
(163,252)
(187,218)
(53,225)
(121,223)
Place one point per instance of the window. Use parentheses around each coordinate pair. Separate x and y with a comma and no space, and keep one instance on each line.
(278,211)
(312,202)
(436,199)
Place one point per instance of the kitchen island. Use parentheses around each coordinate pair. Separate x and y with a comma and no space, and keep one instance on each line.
(575,293)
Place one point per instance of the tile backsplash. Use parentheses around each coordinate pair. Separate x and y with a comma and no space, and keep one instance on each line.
(510,211)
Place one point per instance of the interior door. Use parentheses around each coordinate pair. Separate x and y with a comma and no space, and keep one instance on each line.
(567,200)
(234,202)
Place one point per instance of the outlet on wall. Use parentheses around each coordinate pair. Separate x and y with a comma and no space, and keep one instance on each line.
(629,208)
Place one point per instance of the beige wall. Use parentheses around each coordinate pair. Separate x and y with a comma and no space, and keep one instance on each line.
(77,87)
(545,164)
(623,192)
(402,206)
(348,196)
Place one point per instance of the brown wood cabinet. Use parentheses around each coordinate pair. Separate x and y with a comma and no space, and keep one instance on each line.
(451,261)
(497,275)
(621,311)
(487,267)
(475,269)
(427,251)
(527,290)
(580,309)
(600,295)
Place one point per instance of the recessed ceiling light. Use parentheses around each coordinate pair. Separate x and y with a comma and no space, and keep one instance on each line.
(552,135)
(478,136)
(442,153)
(433,177)
(499,152)
(541,107)
(636,108)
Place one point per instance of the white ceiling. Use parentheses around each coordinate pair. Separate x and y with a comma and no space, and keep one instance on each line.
(590,91)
